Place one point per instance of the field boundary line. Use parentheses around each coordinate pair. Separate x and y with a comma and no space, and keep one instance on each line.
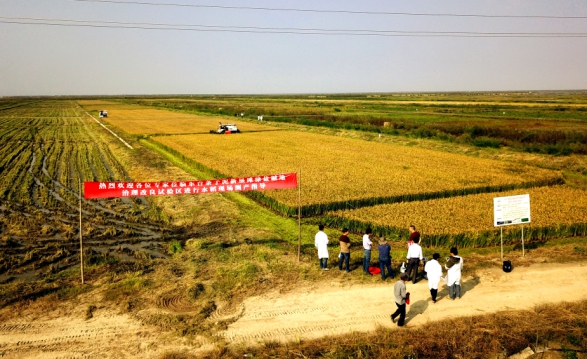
(109,130)
(473,239)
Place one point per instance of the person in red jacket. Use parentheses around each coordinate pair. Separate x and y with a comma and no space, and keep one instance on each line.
(413,235)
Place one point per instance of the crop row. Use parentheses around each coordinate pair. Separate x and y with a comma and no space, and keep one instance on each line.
(342,173)
(42,109)
(13,169)
(42,160)
(467,221)
(70,129)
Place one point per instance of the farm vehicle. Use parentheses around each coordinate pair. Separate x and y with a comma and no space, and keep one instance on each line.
(225,129)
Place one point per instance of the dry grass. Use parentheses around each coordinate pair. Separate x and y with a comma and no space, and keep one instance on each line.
(490,336)
(557,251)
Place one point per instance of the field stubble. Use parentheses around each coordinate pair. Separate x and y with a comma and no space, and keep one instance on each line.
(46,149)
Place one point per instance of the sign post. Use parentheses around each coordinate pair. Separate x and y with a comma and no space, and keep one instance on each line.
(81,248)
(523,254)
(509,211)
(299,215)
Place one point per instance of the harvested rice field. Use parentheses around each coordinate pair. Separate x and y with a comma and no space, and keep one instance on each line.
(140,120)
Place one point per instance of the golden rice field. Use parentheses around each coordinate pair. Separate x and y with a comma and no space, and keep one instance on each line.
(139,120)
(344,173)
(465,221)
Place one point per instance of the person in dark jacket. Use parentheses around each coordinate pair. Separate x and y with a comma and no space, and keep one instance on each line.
(385,258)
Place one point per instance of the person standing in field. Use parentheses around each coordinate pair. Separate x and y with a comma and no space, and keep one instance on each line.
(413,259)
(454,267)
(321,243)
(345,250)
(413,235)
(385,258)
(367,250)
(434,271)
(400,294)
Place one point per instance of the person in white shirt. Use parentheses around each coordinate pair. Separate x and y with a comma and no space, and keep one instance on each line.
(434,272)
(454,267)
(321,243)
(367,250)
(413,259)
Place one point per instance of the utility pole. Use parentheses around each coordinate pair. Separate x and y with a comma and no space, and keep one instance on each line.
(81,248)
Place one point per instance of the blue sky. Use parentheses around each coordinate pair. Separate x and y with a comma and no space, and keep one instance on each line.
(47,60)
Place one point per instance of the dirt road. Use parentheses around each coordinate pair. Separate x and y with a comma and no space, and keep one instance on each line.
(63,332)
(311,313)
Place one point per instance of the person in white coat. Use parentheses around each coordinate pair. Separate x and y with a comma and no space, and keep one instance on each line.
(454,267)
(434,272)
(321,243)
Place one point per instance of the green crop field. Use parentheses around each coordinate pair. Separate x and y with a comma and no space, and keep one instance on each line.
(539,122)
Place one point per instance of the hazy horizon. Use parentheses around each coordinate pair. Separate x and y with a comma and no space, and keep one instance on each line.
(66,60)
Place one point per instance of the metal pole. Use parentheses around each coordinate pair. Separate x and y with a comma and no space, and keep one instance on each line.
(501,228)
(299,214)
(523,253)
(81,248)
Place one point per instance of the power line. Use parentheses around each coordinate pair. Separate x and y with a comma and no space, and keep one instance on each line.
(169,26)
(333,11)
(230,30)
(298,32)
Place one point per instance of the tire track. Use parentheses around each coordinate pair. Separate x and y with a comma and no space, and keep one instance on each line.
(176,303)
(74,338)
(325,311)
(223,313)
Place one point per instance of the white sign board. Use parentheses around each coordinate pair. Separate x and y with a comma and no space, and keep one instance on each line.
(511,210)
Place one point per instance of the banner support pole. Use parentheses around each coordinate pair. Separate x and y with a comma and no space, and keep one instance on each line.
(81,249)
(299,215)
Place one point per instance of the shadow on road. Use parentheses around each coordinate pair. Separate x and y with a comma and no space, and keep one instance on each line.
(416,309)
(443,292)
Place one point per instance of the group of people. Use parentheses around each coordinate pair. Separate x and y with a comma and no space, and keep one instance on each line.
(414,257)
(433,269)
(321,243)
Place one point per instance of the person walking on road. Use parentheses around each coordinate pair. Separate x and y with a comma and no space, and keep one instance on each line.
(413,235)
(400,293)
(413,259)
(454,267)
(345,250)
(321,243)
(367,250)
(434,271)
(385,258)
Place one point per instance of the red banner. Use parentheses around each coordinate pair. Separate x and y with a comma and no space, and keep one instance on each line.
(143,189)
